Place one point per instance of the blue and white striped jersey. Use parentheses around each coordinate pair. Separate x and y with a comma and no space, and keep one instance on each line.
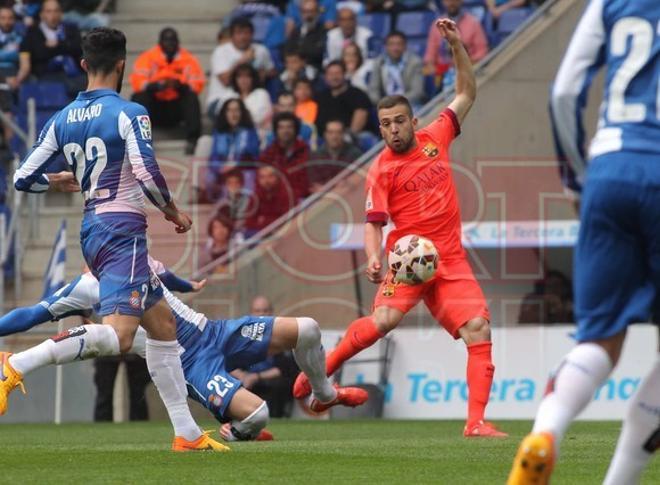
(624,36)
(106,141)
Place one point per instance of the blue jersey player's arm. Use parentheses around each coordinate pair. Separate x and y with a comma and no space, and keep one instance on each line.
(135,127)
(30,176)
(583,59)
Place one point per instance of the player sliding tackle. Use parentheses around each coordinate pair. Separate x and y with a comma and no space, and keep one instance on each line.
(617,258)
(212,349)
(107,143)
(410,183)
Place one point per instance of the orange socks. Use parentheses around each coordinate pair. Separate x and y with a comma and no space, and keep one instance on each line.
(360,334)
(480,370)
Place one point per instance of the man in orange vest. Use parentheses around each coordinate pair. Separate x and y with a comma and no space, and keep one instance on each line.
(167,80)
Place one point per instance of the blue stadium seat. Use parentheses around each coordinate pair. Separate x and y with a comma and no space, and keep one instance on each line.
(417,45)
(478,11)
(261,24)
(47,95)
(375,46)
(415,24)
(379,23)
(510,20)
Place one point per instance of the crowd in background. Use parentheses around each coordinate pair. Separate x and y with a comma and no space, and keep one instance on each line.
(289,100)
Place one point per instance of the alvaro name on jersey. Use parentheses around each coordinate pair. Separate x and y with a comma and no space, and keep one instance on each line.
(116,163)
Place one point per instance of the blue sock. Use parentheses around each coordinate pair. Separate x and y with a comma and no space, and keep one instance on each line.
(22,319)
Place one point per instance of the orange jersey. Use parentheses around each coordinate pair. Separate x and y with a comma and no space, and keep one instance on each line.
(416,190)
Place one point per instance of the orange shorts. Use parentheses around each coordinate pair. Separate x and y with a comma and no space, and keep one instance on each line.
(453,296)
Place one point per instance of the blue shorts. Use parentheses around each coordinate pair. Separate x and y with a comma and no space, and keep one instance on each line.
(114,246)
(617,259)
(210,356)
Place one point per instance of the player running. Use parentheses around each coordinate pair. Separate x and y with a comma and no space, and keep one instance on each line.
(411,184)
(107,143)
(211,350)
(617,259)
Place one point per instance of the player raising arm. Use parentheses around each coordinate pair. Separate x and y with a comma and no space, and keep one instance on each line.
(107,143)
(410,183)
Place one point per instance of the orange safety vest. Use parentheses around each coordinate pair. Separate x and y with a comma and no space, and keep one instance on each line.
(151,66)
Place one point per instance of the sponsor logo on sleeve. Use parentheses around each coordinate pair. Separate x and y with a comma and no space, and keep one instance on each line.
(145,126)
(254,331)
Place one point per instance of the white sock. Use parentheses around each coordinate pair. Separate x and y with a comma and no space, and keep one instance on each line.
(641,423)
(139,346)
(576,380)
(78,343)
(310,356)
(165,368)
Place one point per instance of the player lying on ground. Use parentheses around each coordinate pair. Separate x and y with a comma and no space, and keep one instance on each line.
(411,184)
(81,298)
(212,349)
(106,141)
(617,257)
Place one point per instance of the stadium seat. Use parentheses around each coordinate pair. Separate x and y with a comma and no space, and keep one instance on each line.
(415,24)
(379,23)
(417,45)
(47,95)
(375,46)
(510,20)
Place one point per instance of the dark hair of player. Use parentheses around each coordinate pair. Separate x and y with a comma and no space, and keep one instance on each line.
(395,100)
(240,23)
(102,48)
(286,116)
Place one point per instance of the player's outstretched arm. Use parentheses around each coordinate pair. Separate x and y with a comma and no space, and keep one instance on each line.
(466,85)
(30,176)
(373,244)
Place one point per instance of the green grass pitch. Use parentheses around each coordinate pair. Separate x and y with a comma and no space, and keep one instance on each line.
(372,451)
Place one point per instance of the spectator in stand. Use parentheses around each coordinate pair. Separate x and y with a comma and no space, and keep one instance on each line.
(236,200)
(235,141)
(397,72)
(437,58)
(348,30)
(335,155)
(497,7)
(551,302)
(343,102)
(289,154)
(10,73)
(310,37)
(286,103)
(272,379)
(220,233)
(295,16)
(245,85)
(358,69)
(86,14)
(306,107)
(295,67)
(272,200)
(27,11)
(51,50)
(167,80)
(227,56)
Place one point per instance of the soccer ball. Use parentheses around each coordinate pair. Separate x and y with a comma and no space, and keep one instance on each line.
(413,260)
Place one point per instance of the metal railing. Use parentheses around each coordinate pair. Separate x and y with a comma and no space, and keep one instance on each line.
(360,163)
(11,233)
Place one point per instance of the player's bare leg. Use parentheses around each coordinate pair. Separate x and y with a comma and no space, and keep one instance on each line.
(480,369)
(249,417)
(570,389)
(360,334)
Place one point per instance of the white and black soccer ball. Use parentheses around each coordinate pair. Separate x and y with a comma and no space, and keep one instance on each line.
(413,260)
